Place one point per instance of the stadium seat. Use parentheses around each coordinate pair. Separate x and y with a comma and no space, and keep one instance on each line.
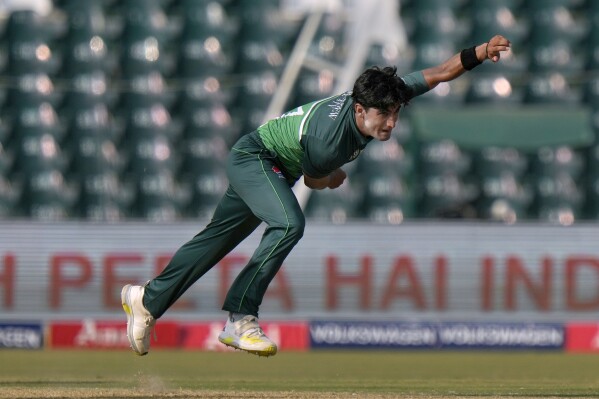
(95,120)
(203,154)
(94,155)
(550,161)
(436,23)
(25,25)
(6,128)
(10,195)
(439,157)
(208,186)
(144,19)
(48,196)
(36,151)
(146,90)
(495,88)
(254,97)
(88,89)
(504,197)
(152,155)
(32,89)
(146,55)
(495,161)
(151,121)
(212,121)
(592,159)
(337,206)
(208,18)
(446,93)
(558,176)
(557,56)
(37,120)
(208,39)
(105,197)
(204,92)
(88,53)
(587,178)
(555,20)
(447,189)
(551,88)
(506,194)
(559,196)
(392,54)
(7,158)
(260,55)
(160,197)
(312,86)
(592,197)
(104,211)
(328,40)
(84,18)
(264,20)
(203,55)
(388,198)
(29,38)
(386,155)
(433,53)
(404,131)
(448,196)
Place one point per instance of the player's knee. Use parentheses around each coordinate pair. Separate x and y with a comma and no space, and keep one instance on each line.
(296,228)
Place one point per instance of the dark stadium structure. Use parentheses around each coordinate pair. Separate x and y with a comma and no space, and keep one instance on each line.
(118,110)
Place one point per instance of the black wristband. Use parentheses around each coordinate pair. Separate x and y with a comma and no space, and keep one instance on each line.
(469,58)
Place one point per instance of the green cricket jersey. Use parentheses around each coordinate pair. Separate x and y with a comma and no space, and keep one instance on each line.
(321,136)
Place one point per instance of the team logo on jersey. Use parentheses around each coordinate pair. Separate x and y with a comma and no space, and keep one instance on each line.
(355,155)
(278,172)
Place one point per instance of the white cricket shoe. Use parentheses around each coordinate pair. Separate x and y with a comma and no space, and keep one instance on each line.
(246,334)
(139,321)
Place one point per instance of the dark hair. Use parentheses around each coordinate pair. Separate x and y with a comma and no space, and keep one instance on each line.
(381,88)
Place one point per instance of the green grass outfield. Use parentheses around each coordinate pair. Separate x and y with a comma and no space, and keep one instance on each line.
(330,374)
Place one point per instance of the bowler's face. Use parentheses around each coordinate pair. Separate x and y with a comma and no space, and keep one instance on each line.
(376,123)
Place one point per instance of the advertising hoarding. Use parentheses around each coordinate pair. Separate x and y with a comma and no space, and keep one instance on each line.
(411,272)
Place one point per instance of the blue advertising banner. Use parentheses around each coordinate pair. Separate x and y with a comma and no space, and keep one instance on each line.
(21,335)
(501,335)
(452,335)
(324,334)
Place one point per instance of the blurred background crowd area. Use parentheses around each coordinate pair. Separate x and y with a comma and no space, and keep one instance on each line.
(115,110)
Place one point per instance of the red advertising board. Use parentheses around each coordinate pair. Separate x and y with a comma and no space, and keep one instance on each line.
(582,337)
(292,336)
(92,334)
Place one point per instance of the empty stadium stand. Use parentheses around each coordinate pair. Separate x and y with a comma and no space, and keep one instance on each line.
(119,109)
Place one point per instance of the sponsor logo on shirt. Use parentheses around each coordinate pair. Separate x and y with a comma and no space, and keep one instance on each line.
(278,172)
(337,104)
(355,155)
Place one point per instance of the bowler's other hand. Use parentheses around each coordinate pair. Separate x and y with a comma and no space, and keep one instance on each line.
(336,178)
(496,46)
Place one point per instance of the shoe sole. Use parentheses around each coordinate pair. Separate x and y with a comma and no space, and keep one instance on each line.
(130,319)
(262,353)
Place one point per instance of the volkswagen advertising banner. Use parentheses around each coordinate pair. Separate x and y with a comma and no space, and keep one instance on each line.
(436,335)
(21,335)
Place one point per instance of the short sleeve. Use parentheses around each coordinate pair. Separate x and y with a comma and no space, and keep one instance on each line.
(416,82)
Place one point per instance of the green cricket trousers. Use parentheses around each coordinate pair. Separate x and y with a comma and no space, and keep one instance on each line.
(257,192)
